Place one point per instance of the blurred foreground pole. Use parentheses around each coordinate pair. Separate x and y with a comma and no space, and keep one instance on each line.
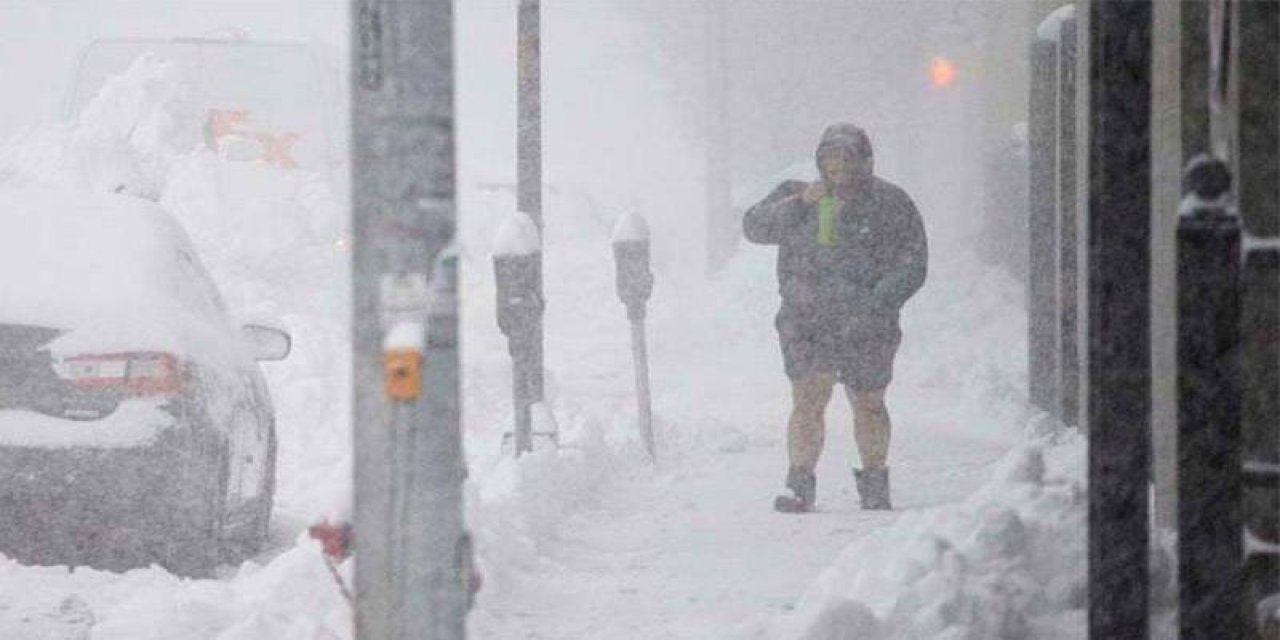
(413,570)
(529,182)
(1119,382)
(635,284)
(1042,226)
(1210,554)
(1068,344)
(1259,171)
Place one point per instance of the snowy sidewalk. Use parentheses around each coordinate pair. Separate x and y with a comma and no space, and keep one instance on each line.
(696,551)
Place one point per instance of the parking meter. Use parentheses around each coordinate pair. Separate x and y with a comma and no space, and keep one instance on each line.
(635,284)
(517,270)
(631,257)
(520,303)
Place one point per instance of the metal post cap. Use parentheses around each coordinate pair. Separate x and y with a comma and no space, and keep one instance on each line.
(1207,177)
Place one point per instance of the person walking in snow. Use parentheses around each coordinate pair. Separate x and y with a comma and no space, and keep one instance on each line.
(851,251)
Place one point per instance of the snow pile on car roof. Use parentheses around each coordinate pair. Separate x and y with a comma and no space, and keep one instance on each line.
(123,142)
(105,268)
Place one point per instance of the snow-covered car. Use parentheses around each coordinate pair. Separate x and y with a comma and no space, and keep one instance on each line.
(135,423)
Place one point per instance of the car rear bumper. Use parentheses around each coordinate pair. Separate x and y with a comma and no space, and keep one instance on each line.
(134,424)
(107,508)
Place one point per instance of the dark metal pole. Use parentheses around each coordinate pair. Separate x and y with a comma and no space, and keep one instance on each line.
(1042,312)
(1068,349)
(529,366)
(1259,161)
(1260,356)
(1194,77)
(1210,550)
(529,107)
(413,571)
(1119,317)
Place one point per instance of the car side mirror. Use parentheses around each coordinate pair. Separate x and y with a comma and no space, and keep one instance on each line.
(267,343)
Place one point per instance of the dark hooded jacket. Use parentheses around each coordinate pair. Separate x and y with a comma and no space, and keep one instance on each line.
(877,261)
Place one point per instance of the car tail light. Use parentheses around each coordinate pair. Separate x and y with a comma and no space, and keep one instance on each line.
(133,373)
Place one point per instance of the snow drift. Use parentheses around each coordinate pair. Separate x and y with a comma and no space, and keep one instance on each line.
(1008,562)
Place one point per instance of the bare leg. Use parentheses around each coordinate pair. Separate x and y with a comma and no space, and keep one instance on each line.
(872,427)
(806,431)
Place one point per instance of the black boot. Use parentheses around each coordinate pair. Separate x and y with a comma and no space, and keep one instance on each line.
(804,487)
(873,488)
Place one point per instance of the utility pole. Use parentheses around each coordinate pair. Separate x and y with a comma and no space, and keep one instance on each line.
(413,572)
(722,228)
(529,198)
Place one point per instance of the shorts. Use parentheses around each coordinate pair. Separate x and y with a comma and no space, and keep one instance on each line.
(861,357)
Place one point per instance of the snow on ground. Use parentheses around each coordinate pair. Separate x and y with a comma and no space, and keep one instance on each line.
(1003,563)
(588,540)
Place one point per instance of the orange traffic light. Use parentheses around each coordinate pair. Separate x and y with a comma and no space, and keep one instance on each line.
(941,72)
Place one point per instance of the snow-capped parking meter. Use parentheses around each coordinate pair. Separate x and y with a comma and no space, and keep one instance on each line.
(517,269)
(520,304)
(631,257)
(635,285)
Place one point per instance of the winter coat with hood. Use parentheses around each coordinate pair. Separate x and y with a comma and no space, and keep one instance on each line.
(878,258)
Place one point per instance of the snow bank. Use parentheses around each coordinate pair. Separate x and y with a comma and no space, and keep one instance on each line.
(293,597)
(124,140)
(1008,562)
(520,504)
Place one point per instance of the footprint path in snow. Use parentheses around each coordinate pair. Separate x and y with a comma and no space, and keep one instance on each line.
(695,551)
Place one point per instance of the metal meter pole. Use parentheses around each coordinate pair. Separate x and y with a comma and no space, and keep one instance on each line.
(413,572)
(529,164)
(635,284)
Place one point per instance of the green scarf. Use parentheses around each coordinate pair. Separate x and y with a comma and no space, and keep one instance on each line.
(828,206)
